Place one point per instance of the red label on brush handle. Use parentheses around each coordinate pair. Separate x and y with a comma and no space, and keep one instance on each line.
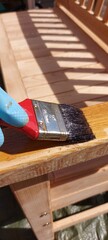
(31,128)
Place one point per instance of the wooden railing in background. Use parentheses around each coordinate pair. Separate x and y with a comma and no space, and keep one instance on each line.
(91,16)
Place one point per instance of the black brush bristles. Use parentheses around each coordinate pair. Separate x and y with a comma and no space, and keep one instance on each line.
(76,124)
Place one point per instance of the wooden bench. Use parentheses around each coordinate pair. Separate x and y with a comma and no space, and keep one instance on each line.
(57,55)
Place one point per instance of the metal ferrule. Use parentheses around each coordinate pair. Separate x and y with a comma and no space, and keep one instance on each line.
(50,121)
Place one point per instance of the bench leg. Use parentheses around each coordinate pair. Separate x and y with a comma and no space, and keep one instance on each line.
(34,199)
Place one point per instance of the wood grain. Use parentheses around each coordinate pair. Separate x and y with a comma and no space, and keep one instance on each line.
(34,199)
(55,61)
(9,67)
(75,190)
(98,7)
(33,158)
(45,55)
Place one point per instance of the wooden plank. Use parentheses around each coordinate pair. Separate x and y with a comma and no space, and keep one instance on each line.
(28,48)
(80,79)
(74,97)
(75,172)
(44,39)
(47,64)
(38,47)
(9,68)
(75,86)
(28,158)
(79,189)
(24,27)
(19,25)
(34,200)
(80,217)
(33,158)
(61,25)
(19,33)
(17,18)
(28,53)
(96,101)
(58,55)
(41,65)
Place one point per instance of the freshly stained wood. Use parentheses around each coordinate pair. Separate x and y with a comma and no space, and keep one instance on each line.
(33,158)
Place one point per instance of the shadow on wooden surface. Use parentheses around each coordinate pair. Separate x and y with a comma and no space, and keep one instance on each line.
(56,60)
(67,60)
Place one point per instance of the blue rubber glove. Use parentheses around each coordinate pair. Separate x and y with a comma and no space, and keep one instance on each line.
(11,112)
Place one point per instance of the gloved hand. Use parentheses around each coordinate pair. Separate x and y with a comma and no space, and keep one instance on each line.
(11,112)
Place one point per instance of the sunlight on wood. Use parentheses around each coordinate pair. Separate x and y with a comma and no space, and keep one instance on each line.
(64,46)
(72,54)
(45,19)
(95,90)
(50,25)
(45,55)
(60,39)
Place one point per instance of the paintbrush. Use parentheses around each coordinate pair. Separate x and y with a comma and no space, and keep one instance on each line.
(55,122)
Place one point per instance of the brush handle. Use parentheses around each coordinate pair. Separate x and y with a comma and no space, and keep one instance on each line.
(31,128)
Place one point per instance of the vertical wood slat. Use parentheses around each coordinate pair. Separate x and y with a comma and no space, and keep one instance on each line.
(31,4)
(90,5)
(88,22)
(98,7)
(34,199)
(82,2)
(105,18)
